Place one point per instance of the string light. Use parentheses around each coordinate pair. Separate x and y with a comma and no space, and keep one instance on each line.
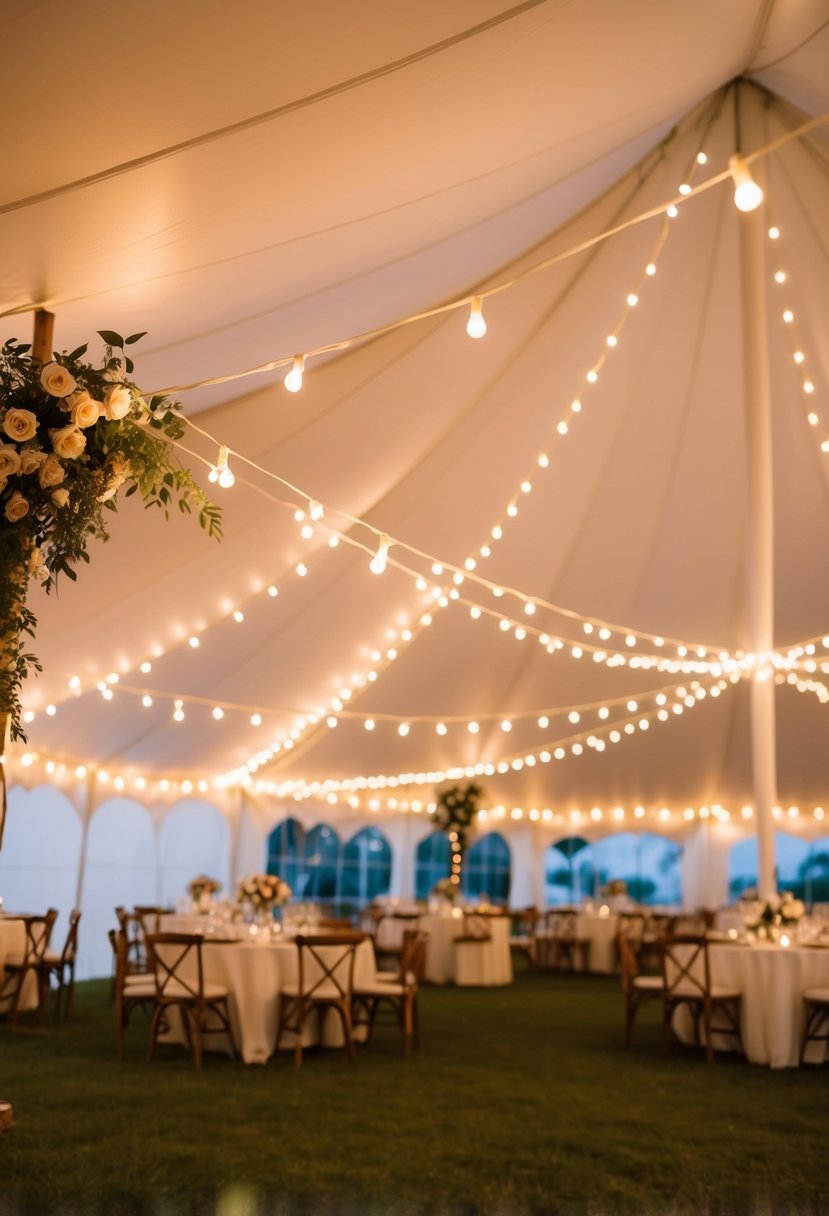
(222,472)
(378,563)
(476,325)
(293,380)
(748,194)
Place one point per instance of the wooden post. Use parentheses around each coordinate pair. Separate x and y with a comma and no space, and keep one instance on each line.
(42,343)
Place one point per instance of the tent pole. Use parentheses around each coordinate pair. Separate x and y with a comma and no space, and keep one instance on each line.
(760,538)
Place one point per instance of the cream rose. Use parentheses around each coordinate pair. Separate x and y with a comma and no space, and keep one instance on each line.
(85,410)
(35,559)
(31,459)
(68,442)
(57,380)
(51,474)
(9,460)
(16,507)
(60,497)
(117,402)
(20,425)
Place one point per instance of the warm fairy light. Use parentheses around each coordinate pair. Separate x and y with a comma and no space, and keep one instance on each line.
(788,316)
(671,212)
(378,563)
(238,616)
(476,325)
(218,713)
(51,710)
(222,472)
(774,233)
(403,729)
(316,511)
(256,719)
(193,642)
(146,701)
(293,380)
(748,194)
(178,711)
(632,299)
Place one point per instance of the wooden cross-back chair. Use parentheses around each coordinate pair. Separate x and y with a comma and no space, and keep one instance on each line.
(324,980)
(130,991)
(400,992)
(178,969)
(636,988)
(523,939)
(388,938)
(687,981)
(564,945)
(62,967)
(37,931)
(132,928)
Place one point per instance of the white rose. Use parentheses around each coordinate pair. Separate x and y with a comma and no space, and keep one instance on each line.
(31,459)
(35,559)
(9,460)
(85,410)
(57,380)
(60,497)
(51,474)
(16,507)
(117,402)
(20,425)
(68,442)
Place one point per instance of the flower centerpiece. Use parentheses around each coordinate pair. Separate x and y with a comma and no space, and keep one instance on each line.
(72,434)
(446,889)
(264,892)
(201,888)
(767,918)
(456,810)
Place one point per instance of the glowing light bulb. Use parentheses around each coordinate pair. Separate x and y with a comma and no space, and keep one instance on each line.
(650,270)
(633,300)
(145,667)
(273,592)
(256,719)
(378,563)
(684,188)
(473,728)
(316,510)
(403,729)
(146,701)
(506,725)
(748,195)
(293,380)
(369,724)
(702,159)
(51,710)
(218,713)
(476,325)
(238,616)
(780,276)
(441,728)
(788,316)
(671,212)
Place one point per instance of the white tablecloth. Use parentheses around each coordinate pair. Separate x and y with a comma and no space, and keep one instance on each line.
(254,976)
(772,980)
(12,948)
(489,963)
(601,932)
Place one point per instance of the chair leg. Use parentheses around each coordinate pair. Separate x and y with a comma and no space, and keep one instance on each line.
(416,1022)
(154,1027)
(630,1014)
(345,1018)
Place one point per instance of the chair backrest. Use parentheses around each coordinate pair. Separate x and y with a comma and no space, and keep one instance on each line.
(632,925)
(660,924)
(627,960)
(685,966)
(561,923)
(70,946)
(38,931)
(523,921)
(326,965)
(335,922)
(413,957)
(176,962)
(133,929)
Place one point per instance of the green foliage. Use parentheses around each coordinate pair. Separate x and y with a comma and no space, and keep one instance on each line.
(71,436)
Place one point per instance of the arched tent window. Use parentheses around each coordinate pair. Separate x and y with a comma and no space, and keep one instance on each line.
(432,862)
(486,869)
(193,839)
(649,864)
(802,867)
(120,869)
(285,848)
(568,871)
(41,854)
(366,868)
(321,861)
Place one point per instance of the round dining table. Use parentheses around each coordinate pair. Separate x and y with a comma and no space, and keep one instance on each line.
(771,979)
(12,949)
(254,966)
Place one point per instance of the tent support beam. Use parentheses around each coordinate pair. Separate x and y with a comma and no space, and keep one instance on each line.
(760,538)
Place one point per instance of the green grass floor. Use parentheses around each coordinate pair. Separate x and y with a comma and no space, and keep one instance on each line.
(521,1100)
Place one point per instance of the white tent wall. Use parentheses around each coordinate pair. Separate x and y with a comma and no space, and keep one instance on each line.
(140,855)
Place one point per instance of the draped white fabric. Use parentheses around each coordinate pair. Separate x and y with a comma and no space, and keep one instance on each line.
(390,164)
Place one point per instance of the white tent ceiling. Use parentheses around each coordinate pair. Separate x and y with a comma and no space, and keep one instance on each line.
(250,182)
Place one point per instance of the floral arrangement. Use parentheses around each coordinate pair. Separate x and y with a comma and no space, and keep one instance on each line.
(264,891)
(71,435)
(203,885)
(446,889)
(766,917)
(454,814)
(616,886)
